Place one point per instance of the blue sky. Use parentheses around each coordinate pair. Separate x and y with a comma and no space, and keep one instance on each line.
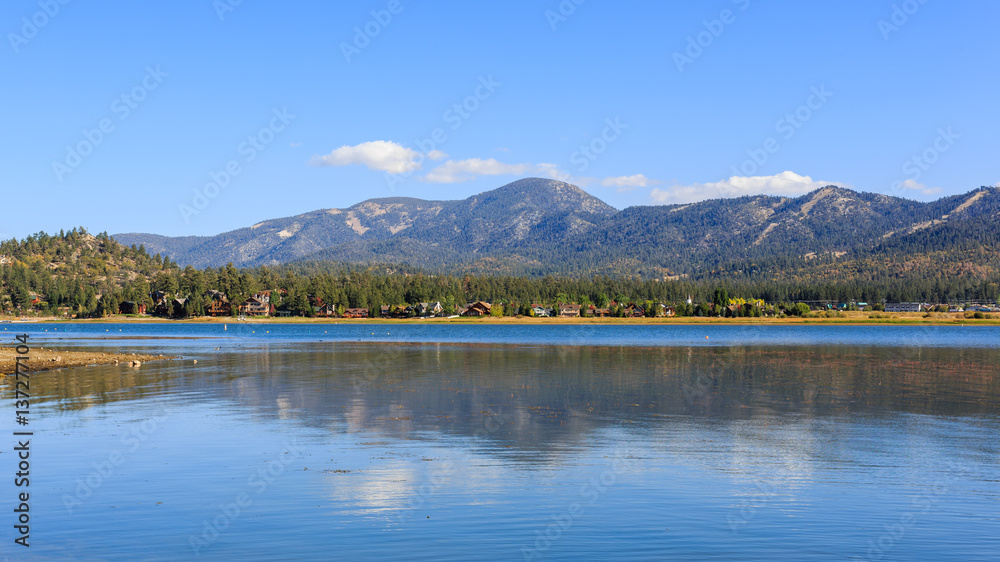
(217,114)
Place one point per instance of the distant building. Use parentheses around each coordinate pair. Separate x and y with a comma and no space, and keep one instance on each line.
(599,312)
(429,309)
(256,307)
(161,305)
(902,307)
(540,310)
(479,308)
(356,313)
(569,310)
(219,305)
(177,306)
(327,311)
(131,307)
(634,311)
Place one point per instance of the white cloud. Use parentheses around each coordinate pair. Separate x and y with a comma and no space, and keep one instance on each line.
(914,185)
(384,156)
(457,171)
(394,158)
(628,183)
(785,183)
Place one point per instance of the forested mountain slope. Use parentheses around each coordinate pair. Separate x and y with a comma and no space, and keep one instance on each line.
(538,226)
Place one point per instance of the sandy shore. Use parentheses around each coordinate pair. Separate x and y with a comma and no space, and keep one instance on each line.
(45,360)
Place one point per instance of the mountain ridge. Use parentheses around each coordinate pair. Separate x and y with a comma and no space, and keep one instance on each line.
(539,226)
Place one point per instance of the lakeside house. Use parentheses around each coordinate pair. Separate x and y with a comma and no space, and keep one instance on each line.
(161,306)
(356,313)
(902,307)
(322,309)
(478,308)
(599,312)
(256,306)
(429,309)
(540,311)
(218,305)
(326,311)
(131,307)
(177,306)
(569,310)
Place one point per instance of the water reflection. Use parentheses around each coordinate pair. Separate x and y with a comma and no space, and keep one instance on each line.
(467,451)
(546,396)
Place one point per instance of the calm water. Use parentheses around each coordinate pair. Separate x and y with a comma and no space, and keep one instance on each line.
(512,442)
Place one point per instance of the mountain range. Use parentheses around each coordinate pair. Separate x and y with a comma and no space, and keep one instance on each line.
(539,226)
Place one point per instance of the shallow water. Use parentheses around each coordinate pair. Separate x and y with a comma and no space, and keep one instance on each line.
(512,442)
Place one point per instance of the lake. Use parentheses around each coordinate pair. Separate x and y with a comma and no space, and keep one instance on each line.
(507,442)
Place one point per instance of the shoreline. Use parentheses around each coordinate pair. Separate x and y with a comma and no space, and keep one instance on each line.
(850,319)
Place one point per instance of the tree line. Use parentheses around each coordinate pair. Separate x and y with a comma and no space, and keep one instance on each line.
(84,275)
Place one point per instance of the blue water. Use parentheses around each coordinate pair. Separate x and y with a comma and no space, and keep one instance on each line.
(471,442)
(580,334)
